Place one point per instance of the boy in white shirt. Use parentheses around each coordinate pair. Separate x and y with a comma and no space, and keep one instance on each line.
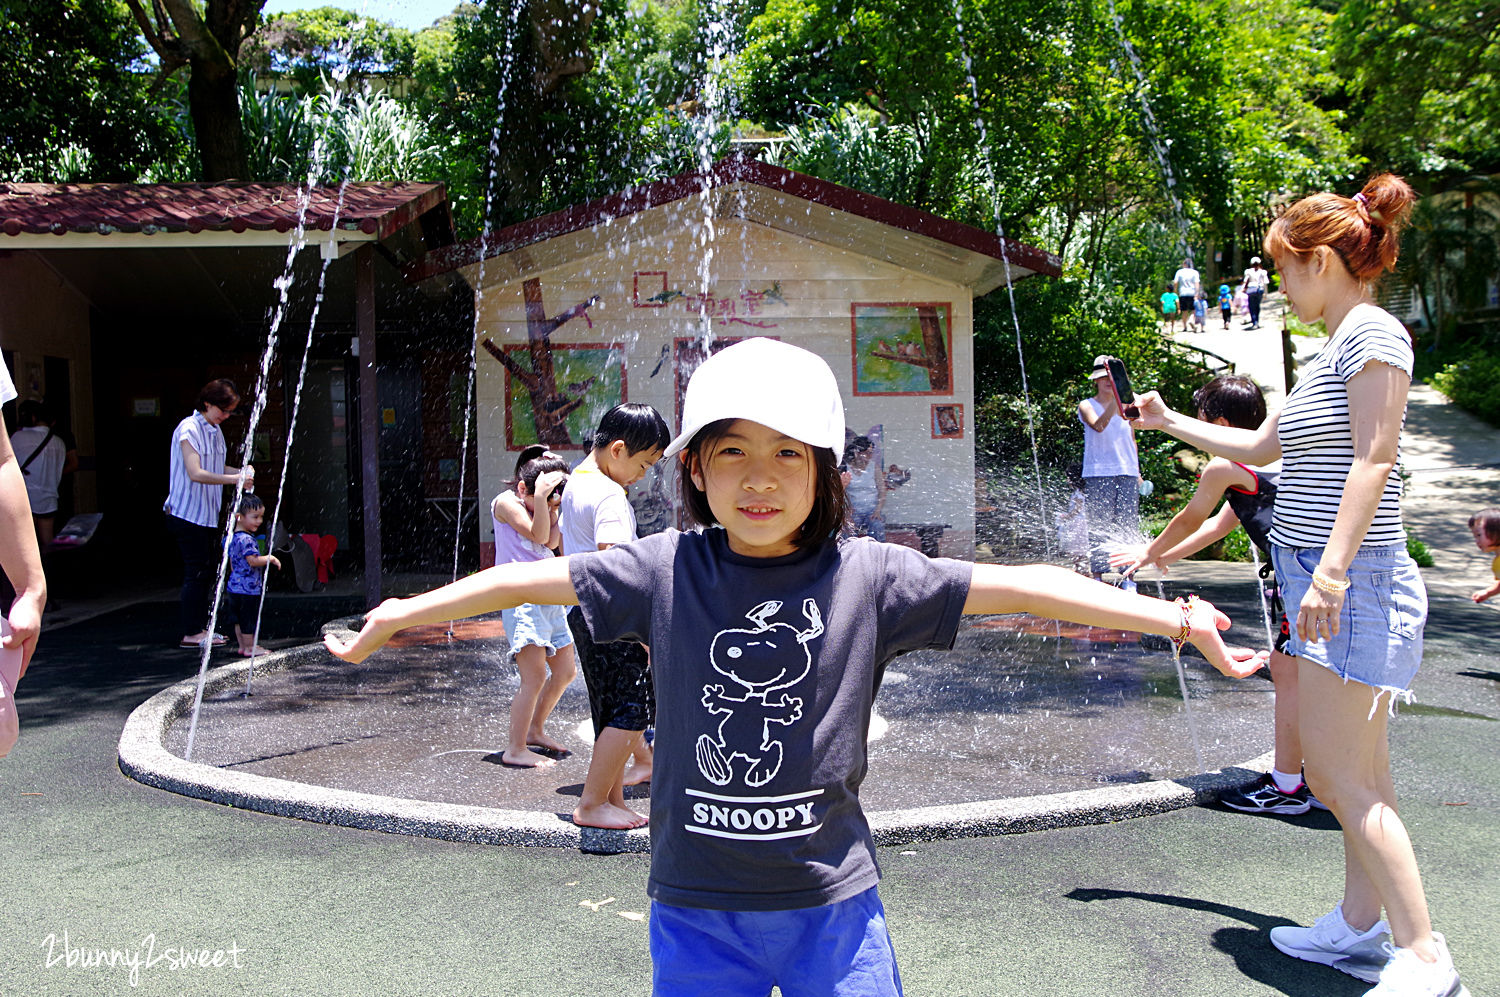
(596,515)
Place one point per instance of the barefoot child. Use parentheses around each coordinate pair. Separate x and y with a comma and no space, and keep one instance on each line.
(245,564)
(526,529)
(596,515)
(1236,400)
(1485,525)
(769,635)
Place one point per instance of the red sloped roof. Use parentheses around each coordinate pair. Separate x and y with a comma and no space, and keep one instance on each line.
(378,209)
(732,170)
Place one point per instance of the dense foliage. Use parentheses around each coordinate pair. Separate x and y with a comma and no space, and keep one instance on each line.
(1119,134)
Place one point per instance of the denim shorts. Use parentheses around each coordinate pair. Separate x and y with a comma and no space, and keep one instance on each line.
(842,948)
(543,626)
(1379,642)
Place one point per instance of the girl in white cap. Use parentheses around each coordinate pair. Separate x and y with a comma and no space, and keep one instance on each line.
(768,636)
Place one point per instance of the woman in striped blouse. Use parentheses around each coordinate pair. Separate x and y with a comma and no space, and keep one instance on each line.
(1340,555)
(197,476)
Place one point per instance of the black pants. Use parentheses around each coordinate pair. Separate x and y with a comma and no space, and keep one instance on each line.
(199,547)
(617,676)
(1252,299)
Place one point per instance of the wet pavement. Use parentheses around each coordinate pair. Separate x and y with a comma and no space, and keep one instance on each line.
(1019,707)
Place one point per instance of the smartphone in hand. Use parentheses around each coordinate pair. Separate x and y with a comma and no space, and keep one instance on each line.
(1119,383)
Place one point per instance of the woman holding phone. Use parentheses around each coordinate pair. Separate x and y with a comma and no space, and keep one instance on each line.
(1111,472)
(1356,599)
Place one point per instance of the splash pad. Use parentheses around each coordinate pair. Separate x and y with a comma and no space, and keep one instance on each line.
(1023,725)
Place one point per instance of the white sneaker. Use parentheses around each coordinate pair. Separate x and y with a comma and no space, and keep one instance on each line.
(1333,943)
(1406,975)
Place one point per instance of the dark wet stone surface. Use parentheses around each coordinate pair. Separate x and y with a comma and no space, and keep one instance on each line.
(1006,713)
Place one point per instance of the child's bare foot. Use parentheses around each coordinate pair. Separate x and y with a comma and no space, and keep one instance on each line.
(635,774)
(527,759)
(608,816)
(547,743)
(256,652)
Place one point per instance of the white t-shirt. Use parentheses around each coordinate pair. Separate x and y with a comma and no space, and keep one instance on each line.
(1317,445)
(1256,279)
(42,474)
(1188,282)
(1110,453)
(7,386)
(594,511)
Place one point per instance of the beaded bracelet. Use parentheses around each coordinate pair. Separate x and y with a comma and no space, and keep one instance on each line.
(1187,623)
(1323,583)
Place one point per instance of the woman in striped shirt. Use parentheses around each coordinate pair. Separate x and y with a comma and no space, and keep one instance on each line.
(1340,555)
(195,493)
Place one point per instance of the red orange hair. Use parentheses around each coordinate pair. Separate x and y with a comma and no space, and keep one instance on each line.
(1364,230)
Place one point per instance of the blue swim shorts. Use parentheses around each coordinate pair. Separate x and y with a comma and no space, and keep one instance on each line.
(544,626)
(1379,642)
(839,950)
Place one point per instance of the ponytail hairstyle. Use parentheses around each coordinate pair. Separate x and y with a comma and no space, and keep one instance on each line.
(1363,230)
(535,461)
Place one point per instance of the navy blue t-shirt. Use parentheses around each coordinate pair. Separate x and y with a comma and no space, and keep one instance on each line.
(243,579)
(765,671)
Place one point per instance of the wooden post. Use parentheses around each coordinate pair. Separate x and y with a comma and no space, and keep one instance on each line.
(369,418)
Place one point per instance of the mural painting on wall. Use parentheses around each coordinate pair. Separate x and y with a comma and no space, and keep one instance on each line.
(902,348)
(947,422)
(556,394)
(651,289)
(895,475)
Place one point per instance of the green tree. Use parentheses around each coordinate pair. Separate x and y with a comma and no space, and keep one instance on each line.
(306,44)
(1424,82)
(205,38)
(76,106)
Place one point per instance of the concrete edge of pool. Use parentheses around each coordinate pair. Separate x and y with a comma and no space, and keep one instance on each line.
(143,756)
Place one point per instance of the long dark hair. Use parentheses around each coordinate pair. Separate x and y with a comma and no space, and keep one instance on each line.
(830,511)
(535,461)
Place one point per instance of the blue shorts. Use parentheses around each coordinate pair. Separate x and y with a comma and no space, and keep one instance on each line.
(544,626)
(840,950)
(1379,642)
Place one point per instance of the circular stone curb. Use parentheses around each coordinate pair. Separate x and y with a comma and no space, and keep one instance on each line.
(144,758)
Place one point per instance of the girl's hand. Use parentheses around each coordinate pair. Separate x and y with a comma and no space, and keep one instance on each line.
(1132,559)
(546,482)
(1236,662)
(1318,616)
(377,630)
(1154,411)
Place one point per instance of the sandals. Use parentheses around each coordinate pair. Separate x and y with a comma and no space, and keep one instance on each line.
(218,641)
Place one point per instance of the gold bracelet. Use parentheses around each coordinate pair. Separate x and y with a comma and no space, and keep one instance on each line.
(1323,583)
(1182,635)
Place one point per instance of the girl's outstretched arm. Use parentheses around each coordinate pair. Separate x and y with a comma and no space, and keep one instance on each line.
(501,587)
(1045,590)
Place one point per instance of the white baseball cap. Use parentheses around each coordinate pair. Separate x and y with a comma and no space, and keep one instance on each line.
(1254,260)
(770,382)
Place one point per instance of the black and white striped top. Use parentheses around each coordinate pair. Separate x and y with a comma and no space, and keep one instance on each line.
(1317,447)
(186,498)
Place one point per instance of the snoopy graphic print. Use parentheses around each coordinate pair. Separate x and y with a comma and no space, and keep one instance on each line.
(760,663)
(765,671)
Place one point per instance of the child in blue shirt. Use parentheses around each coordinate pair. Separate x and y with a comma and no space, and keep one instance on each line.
(1226,304)
(245,562)
(769,634)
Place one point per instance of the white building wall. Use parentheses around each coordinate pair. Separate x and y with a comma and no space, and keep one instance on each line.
(759,281)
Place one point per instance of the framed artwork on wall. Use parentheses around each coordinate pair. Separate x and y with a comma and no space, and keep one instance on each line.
(947,421)
(902,348)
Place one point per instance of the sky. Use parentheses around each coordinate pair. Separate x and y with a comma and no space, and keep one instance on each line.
(411,14)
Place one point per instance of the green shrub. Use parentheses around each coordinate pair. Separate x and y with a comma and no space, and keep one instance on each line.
(1418,551)
(1473,383)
